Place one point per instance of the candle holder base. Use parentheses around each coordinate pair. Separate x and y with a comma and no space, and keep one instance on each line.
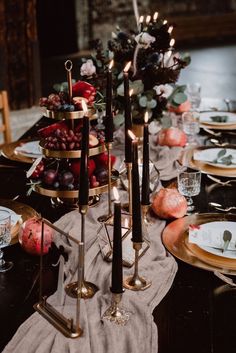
(136,283)
(146,219)
(115,313)
(88,289)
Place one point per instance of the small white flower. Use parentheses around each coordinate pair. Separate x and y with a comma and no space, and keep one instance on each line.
(163,90)
(144,39)
(88,68)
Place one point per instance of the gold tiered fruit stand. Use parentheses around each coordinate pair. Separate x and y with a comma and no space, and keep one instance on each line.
(70,197)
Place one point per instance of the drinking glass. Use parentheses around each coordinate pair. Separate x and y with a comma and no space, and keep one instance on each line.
(189,184)
(194,94)
(5,238)
(191,125)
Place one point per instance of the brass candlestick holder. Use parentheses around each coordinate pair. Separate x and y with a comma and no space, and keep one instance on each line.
(145,218)
(105,217)
(87,289)
(136,282)
(115,313)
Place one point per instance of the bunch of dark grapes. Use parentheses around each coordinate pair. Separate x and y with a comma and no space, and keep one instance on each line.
(63,180)
(100,134)
(62,140)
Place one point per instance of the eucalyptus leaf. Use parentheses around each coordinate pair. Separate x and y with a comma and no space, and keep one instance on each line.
(119,120)
(143,101)
(151,104)
(220,118)
(227,160)
(221,153)
(179,98)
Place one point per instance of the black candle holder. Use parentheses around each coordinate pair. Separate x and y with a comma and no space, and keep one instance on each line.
(104,217)
(136,282)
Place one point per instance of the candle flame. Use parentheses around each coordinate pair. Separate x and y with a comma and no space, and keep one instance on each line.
(131,135)
(84,106)
(141,18)
(116,194)
(146,117)
(111,64)
(148,19)
(155,16)
(170,29)
(131,91)
(172,42)
(127,66)
(165,22)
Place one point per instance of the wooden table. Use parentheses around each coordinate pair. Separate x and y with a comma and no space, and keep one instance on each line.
(198,314)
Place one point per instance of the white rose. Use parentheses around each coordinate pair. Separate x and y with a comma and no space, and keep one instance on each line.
(144,39)
(88,68)
(164,90)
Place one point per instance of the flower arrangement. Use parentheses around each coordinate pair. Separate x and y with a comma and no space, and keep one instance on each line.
(153,74)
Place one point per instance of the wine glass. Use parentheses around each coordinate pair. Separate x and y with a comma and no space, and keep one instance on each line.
(5,238)
(194,94)
(189,184)
(191,125)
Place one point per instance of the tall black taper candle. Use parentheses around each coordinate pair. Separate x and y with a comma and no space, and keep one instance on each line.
(117,270)
(109,126)
(145,200)
(136,206)
(83,178)
(128,120)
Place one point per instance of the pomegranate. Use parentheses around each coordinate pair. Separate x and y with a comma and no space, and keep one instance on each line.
(169,203)
(30,236)
(172,137)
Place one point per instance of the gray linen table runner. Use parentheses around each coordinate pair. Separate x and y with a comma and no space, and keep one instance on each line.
(36,335)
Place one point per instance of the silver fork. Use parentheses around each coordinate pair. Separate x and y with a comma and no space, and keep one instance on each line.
(209,131)
(216,180)
(219,207)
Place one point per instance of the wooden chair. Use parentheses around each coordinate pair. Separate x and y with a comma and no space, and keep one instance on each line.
(5,123)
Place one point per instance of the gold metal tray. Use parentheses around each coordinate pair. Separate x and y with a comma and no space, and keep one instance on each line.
(8,151)
(187,160)
(70,154)
(25,211)
(72,194)
(218,127)
(69,115)
(175,239)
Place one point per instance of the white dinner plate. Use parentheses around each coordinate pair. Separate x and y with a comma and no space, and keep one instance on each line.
(14,216)
(206,118)
(209,237)
(209,155)
(29,149)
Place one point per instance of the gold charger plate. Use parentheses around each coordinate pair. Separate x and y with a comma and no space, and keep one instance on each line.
(187,159)
(70,154)
(175,239)
(25,211)
(218,126)
(8,151)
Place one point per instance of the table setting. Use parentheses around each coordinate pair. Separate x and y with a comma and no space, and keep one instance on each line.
(123,206)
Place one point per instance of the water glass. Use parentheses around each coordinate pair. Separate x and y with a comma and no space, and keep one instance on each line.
(194,94)
(189,184)
(191,125)
(5,238)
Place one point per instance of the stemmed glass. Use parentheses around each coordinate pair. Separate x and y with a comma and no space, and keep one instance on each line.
(189,184)
(191,125)
(194,94)
(5,238)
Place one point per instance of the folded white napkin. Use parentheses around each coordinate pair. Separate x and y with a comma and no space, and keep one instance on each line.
(210,235)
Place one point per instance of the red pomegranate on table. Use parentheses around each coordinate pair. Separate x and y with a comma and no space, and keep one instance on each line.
(30,236)
(172,137)
(169,203)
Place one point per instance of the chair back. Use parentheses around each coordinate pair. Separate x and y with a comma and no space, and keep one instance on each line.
(5,121)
